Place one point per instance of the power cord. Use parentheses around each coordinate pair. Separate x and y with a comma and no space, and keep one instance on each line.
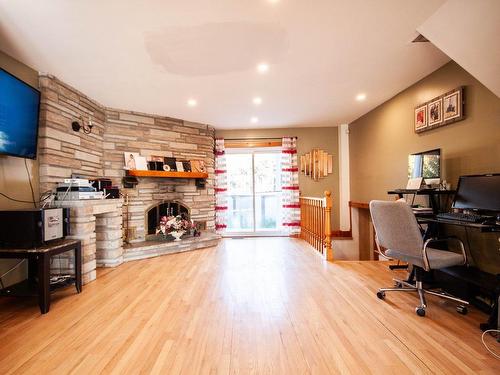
(29,180)
(9,271)
(45,195)
(486,346)
(468,245)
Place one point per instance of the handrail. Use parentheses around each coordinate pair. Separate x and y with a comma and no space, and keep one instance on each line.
(315,223)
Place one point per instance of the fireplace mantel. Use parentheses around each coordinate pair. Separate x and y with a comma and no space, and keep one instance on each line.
(164,174)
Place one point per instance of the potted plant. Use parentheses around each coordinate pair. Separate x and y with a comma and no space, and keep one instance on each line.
(176,226)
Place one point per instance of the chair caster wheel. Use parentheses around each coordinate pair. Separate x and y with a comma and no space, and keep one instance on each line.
(462,310)
(381,295)
(398,285)
(420,311)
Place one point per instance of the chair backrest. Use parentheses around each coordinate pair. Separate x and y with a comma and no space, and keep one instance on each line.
(396,227)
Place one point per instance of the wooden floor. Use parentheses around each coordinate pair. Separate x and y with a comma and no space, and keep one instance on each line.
(259,306)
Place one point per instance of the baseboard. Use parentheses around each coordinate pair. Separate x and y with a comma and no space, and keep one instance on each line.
(342,234)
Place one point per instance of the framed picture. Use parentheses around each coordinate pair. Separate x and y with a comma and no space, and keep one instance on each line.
(179,167)
(130,160)
(198,166)
(435,112)
(452,106)
(421,118)
(186,166)
(155,163)
(134,160)
(171,163)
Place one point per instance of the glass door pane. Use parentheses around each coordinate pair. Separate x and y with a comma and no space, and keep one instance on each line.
(267,180)
(240,192)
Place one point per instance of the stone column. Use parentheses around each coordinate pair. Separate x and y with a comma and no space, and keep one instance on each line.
(109,233)
(98,224)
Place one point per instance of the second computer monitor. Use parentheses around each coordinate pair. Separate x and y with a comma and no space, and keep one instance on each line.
(427,165)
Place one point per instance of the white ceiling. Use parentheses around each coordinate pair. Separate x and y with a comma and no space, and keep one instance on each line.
(469,32)
(154,55)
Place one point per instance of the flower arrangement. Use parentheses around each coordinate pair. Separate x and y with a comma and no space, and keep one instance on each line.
(175,225)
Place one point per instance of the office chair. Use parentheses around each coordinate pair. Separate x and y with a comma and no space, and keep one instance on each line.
(398,233)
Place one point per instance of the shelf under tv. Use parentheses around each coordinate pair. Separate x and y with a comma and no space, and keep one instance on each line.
(163,174)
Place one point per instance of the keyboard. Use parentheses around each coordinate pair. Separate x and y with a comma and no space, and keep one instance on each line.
(459,216)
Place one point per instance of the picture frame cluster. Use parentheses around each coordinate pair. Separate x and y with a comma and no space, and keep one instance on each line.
(135,161)
(440,111)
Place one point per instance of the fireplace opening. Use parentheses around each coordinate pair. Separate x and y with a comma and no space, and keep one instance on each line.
(169,208)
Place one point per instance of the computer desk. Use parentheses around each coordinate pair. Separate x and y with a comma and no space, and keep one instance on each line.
(474,278)
(433,194)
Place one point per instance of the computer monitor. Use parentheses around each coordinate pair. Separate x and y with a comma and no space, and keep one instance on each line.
(478,192)
(427,165)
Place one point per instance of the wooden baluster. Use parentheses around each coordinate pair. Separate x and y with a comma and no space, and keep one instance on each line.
(328,226)
(313,229)
(316,225)
(318,233)
(322,227)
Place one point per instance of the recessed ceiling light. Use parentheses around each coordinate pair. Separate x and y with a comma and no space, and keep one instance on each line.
(254,120)
(361,97)
(262,68)
(192,102)
(257,100)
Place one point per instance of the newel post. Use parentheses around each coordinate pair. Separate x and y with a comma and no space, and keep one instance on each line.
(328,226)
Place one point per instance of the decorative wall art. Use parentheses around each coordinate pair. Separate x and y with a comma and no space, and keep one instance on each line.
(134,160)
(440,111)
(421,117)
(316,164)
(452,106)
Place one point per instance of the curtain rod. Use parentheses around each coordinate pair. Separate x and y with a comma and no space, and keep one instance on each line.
(254,139)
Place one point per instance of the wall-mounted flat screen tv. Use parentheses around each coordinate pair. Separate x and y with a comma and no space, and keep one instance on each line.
(19,111)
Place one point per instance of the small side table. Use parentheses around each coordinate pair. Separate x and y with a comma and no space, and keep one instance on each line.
(38,282)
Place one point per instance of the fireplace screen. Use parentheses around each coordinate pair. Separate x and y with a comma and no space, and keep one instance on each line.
(165,209)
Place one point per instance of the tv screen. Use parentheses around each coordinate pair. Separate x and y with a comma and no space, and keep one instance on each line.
(425,164)
(19,110)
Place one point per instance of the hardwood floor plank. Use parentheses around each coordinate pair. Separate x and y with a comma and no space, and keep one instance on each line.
(253,306)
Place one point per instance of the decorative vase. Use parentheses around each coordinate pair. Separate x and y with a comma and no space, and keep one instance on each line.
(177,234)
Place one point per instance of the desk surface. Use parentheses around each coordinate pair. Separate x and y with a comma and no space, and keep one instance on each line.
(482,227)
(421,191)
(51,246)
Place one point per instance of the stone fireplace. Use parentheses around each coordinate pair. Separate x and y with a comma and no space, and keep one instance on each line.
(63,152)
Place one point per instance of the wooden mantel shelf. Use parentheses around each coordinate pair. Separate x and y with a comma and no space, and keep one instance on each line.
(141,173)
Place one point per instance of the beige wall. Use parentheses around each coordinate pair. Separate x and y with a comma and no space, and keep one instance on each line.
(308,138)
(381,140)
(13,176)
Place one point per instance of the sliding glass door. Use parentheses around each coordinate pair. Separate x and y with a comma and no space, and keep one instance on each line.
(254,191)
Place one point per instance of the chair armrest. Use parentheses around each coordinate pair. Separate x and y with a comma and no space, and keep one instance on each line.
(443,239)
(379,249)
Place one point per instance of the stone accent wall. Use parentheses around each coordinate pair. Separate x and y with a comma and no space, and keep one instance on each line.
(154,135)
(61,150)
(101,153)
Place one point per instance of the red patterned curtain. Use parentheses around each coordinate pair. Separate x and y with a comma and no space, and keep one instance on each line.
(220,186)
(290,186)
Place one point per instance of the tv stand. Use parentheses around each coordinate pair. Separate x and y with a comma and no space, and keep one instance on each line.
(38,282)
